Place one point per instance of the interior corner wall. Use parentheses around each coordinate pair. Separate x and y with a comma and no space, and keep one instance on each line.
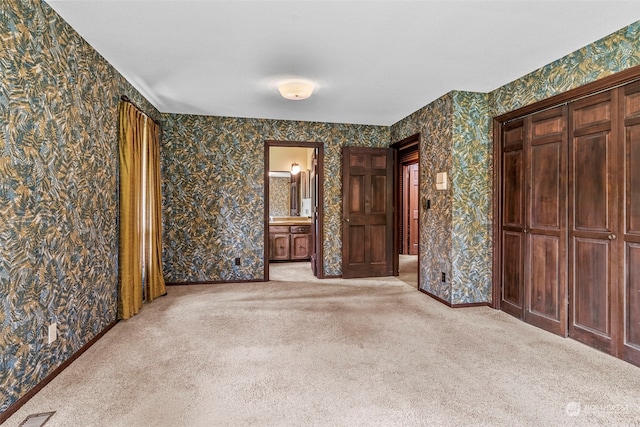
(58,193)
(471,192)
(434,122)
(213,191)
(455,231)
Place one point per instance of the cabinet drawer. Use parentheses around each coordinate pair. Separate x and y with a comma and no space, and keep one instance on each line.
(300,229)
(278,229)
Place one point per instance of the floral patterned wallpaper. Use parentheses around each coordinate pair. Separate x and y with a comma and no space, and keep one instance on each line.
(58,193)
(471,184)
(213,194)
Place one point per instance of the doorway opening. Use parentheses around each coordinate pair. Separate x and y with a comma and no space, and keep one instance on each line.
(407,208)
(293,214)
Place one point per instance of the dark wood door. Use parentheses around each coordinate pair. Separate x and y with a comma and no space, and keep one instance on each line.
(410,209)
(313,187)
(602,211)
(545,258)
(593,172)
(630,324)
(367,209)
(534,224)
(513,219)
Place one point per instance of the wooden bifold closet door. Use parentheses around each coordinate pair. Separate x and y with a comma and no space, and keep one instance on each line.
(534,192)
(594,174)
(629,300)
(570,220)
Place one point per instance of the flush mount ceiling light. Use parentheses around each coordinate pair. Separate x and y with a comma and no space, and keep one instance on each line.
(296,90)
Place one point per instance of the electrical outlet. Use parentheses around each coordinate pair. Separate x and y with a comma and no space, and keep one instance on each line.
(53,332)
(237,261)
(444,277)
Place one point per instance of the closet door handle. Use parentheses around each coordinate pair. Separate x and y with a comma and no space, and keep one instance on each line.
(612,236)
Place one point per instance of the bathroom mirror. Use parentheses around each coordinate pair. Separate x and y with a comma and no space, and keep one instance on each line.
(279,193)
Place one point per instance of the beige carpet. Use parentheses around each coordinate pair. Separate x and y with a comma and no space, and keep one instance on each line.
(333,353)
(408,270)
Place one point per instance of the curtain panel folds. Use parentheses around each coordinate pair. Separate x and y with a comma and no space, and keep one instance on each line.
(140,244)
(154,279)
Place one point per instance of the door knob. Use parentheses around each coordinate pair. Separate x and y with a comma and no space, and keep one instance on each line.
(612,236)
(346,219)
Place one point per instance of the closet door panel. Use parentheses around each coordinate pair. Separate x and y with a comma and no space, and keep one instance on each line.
(632,187)
(545,281)
(630,345)
(592,291)
(593,174)
(513,190)
(546,186)
(546,201)
(592,193)
(512,273)
(513,220)
(632,306)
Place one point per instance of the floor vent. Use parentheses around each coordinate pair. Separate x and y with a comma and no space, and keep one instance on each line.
(37,420)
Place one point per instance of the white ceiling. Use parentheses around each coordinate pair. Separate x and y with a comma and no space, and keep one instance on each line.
(375,62)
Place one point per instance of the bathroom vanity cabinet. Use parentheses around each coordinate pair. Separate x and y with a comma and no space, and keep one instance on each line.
(289,242)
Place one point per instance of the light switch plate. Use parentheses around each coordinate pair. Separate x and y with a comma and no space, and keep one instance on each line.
(53,332)
(441,181)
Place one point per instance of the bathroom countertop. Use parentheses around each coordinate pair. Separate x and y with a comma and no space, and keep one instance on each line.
(290,221)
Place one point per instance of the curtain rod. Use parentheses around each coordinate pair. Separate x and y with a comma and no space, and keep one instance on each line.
(125,98)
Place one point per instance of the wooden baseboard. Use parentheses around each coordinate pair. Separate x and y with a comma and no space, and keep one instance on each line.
(222,282)
(447,303)
(24,399)
(212,282)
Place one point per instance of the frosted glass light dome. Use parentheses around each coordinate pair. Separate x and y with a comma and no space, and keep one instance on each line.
(296,90)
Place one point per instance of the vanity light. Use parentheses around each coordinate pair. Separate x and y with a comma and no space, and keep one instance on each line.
(296,90)
(295,169)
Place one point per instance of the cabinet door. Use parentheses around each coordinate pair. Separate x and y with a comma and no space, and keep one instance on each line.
(594,173)
(279,246)
(300,245)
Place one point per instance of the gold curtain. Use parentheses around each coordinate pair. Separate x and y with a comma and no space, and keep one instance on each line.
(140,248)
(154,279)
